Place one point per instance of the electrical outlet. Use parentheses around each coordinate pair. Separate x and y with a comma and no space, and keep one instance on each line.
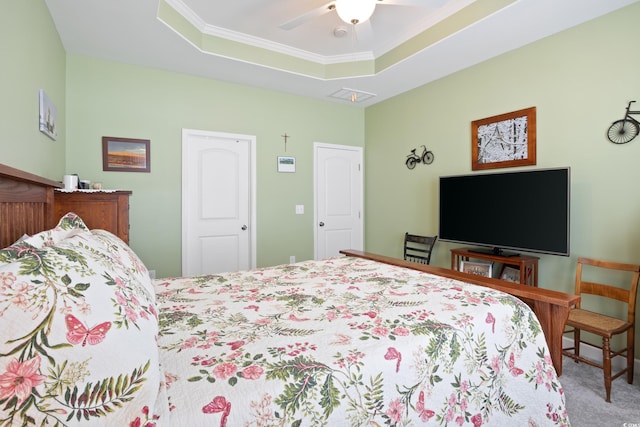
(292,259)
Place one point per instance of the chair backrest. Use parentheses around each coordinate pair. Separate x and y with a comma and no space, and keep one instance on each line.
(418,248)
(627,296)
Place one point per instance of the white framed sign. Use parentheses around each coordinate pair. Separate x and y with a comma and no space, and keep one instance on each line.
(286,164)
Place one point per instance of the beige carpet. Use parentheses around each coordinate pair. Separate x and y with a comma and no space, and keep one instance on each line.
(584,391)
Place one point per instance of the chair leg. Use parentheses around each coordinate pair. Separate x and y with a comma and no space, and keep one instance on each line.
(630,355)
(606,367)
(576,344)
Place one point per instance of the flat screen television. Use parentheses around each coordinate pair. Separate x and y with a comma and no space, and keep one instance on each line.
(514,211)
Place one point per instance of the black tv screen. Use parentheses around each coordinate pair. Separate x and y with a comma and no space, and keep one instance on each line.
(522,211)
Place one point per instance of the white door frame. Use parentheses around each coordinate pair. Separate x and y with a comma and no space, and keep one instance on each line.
(360,150)
(252,182)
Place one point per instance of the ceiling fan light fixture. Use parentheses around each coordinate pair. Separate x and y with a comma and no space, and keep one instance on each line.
(355,11)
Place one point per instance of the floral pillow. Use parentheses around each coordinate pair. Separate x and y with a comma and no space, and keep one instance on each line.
(68,226)
(117,250)
(122,254)
(77,333)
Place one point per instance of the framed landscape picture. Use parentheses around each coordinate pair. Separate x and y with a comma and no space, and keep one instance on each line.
(506,140)
(126,154)
(477,268)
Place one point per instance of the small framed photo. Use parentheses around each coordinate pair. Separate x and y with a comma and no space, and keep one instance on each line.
(48,116)
(478,268)
(286,164)
(126,154)
(510,274)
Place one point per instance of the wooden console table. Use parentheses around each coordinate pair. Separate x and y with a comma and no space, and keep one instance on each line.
(551,307)
(528,265)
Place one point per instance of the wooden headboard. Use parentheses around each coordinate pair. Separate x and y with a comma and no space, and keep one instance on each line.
(26,204)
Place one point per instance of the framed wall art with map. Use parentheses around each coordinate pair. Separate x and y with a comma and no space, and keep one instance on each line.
(504,141)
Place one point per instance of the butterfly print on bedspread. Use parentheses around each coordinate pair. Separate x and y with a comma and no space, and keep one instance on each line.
(78,333)
(515,371)
(217,405)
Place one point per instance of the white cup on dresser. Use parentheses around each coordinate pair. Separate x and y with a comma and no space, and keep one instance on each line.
(70,182)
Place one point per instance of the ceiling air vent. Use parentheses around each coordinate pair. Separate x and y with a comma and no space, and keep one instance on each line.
(352,95)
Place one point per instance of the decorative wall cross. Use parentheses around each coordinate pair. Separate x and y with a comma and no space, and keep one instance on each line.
(285,136)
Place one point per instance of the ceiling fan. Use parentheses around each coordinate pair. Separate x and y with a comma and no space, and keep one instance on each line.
(354,11)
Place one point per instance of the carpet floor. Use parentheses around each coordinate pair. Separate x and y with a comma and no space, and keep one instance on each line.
(584,393)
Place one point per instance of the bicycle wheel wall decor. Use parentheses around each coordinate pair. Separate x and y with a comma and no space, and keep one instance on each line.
(623,131)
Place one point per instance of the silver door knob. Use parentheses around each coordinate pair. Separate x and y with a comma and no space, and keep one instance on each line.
(244,227)
(321,224)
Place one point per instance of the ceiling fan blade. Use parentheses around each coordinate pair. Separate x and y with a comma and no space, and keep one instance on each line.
(364,31)
(313,13)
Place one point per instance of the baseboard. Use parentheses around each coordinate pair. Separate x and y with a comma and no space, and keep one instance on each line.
(595,354)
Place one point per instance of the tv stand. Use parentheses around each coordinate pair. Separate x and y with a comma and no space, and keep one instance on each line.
(493,251)
(528,265)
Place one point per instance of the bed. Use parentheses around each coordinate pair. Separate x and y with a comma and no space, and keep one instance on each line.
(89,339)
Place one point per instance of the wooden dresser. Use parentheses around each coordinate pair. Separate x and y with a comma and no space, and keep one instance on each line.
(98,209)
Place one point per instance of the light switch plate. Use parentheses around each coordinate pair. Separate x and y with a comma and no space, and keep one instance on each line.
(299,209)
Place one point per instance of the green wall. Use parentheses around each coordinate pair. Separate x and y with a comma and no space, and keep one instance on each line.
(32,59)
(118,100)
(580,80)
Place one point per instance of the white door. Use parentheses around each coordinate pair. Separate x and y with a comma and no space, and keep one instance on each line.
(218,202)
(338,199)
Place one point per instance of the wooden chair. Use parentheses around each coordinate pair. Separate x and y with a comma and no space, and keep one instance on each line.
(604,325)
(418,248)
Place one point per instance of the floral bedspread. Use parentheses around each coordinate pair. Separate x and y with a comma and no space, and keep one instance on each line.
(351,342)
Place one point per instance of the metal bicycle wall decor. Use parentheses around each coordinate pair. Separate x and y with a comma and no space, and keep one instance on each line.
(623,131)
(413,159)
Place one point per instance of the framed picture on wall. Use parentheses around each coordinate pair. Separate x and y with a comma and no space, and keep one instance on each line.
(286,164)
(476,267)
(504,141)
(126,154)
(48,116)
